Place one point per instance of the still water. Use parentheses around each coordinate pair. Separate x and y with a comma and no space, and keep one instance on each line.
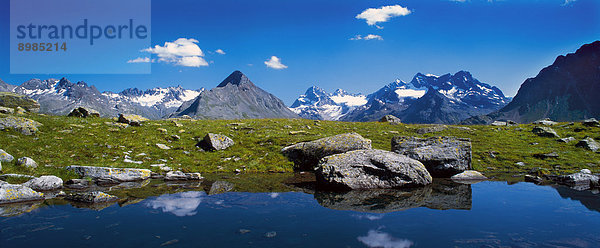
(486,214)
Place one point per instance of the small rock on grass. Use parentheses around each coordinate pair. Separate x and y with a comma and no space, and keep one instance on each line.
(27,163)
(163,146)
(212,142)
(5,157)
(589,143)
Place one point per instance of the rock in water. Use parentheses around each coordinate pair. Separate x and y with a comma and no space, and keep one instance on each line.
(180,176)
(469,176)
(11,193)
(5,157)
(82,112)
(306,155)
(589,143)
(220,187)
(545,132)
(132,120)
(391,119)
(27,162)
(581,180)
(19,124)
(442,156)
(371,169)
(212,142)
(45,183)
(77,183)
(91,197)
(111,174)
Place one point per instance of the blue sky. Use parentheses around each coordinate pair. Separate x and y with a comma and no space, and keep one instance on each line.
(499,42)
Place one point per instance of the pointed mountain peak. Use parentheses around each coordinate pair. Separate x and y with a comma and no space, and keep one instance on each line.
(236,78)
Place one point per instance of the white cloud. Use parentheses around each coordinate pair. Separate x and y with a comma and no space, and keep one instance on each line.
(139,60)
(275,63)
(380,239)
(183,52)
(382,14)
(368,37)
(180,204)
(567,2)
(220,51)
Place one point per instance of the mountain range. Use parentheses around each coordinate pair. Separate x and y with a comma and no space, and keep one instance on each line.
(447,99)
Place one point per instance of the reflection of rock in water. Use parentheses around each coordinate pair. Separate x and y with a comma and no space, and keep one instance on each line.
(15,209)
(590,200)
(442,194)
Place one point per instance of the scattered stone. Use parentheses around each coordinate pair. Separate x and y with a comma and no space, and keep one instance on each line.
(20,111)
(5,157)
(581,180)
(27,163)
(162,130)
(469,176)
(82,112)
(19,124)
(77,183)
(371,169)
(432,129)
(5,110)
(503,123)
(180,176)
(589,143)
(442,156)
(533,179)
(45,183)
(493,154)
(220,187)
(133,120)
(162,167)
(538,171)
(128,160)
(297,132)
(175,137)
(546,155)
(244,231)
(545,132)
(591,123)
(306,155)
(521,164)
(213,142)
(566,140)
(163,146)
(91,197)
(177,124)
(111,174)
(287,126)
(391,119)
(11,193)
(545,122)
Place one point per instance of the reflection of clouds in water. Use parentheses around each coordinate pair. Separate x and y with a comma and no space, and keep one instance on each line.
(274,195)
(368,216)
(380,239)
(180,204)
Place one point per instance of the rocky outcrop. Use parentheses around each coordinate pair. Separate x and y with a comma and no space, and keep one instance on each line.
(370,169)
(5,110)
(11,193)
(589,143)
(390,119)
(108,174)
(45,183)
(592,122)
(442,156)
(27,163)
(545,132)
(213,142)
(13,100)
(91,197)
(306,155)
(180,176)
(82,112)
(581,180)
(19,124)
(132,120)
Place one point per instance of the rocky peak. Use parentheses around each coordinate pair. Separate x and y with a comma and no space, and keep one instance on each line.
(236,78)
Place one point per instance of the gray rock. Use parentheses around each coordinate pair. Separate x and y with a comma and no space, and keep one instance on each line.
(391,119)
(82,112)
(546,155)
(469,176)
(533,179)
(591,123)
(180,176)
(220,187)
(520,164)
(5,110)
(589,143)
(306,155)
(132,120)
(580,180)
(111,174)
(5,157)
(213,142)
(545,122)
(45,183)
(442,156)
(566,140)
(11,193)
(6,176)
(162,167)
(432,129)
(27,163)
(545,132)
(163,146)
(91,197)
(19,124)
(371,169)
(77,183)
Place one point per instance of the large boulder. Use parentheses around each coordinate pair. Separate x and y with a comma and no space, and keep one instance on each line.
(306,155)
(108,174)
(91,197)
(581,180)
(591,123)
(11,193)
(371,169)
(180,176)
(82,112)
(45,183)
(589,143)
(132,120)
(545,122)
(391,119)
(545,132)
(19,124)
(5,157)
(27,163)
(442,156)
(212,142)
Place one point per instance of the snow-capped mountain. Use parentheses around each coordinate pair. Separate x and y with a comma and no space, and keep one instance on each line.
(317,104)
(59,97)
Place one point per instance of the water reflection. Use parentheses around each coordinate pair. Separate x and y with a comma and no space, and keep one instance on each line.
(590,199)
(376,238)
(442,194)
(180,204)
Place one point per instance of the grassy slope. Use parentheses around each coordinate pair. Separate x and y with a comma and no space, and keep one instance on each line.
(64,141)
